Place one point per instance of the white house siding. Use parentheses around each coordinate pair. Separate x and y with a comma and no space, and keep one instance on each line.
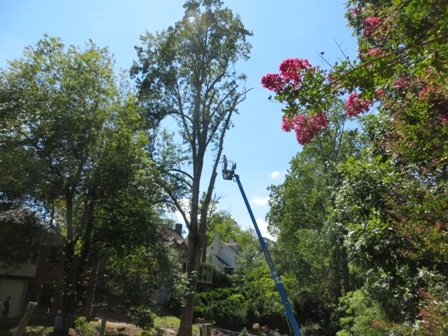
(221,255)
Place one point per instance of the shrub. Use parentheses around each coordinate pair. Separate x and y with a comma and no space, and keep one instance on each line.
(143,317)
(83,327)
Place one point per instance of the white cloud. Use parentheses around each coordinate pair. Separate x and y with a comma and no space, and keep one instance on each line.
(276,175)
(260,201)
(263,227)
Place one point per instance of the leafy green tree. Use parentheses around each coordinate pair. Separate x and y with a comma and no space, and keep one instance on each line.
(129,280)
(222,222)
(74,142)
(264,305)
(393,267)
(249,259)
(309,245)
(187,73)
(395,199)
(362,315)
(21,235)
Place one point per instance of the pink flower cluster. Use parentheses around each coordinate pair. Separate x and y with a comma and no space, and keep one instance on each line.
(442,119)
(423,293)
(376,52)
(290,68)
(305,126)
(355,105)
(290,74)
(427,91)
(402,82)
(356,11)
(370,25)
(273,82)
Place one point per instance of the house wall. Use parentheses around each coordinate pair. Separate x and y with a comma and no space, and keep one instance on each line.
(219,250)
(16,289)
(41,281)
(16,282)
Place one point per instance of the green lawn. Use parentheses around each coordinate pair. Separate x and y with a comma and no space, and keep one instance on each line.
(172,322)
(163,322)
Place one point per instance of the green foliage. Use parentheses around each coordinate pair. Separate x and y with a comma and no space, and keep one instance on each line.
(312,329)
(248,260)
(362,315)
(143,317)
(176,281)
(391,202)
(385,255)
(222,222)
(21,235)
(185,77)
(84,144)
(225,307)
(83,327)
(264,304)
(244,332)
(310,247)
(31,331)
(221,279)
(129,280)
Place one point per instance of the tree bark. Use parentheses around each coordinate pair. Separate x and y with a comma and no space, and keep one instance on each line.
(194,261)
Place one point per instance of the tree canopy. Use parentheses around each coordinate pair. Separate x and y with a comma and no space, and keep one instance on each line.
(72,145)
(392,200)
(185,74)
(361,217)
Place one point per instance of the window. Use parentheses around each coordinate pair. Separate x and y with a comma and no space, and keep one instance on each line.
(205,274)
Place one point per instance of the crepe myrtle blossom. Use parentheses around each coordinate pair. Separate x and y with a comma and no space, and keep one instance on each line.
(290,74)
(402,82)
(290,69)
(305,126)
(356,11)
(290,77)
(429,91)
(355,105)
(273,82)
(370,25)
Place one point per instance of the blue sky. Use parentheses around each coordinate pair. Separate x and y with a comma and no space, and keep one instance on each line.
(282,29)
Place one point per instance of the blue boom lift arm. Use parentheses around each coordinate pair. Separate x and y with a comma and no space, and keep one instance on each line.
(229,174)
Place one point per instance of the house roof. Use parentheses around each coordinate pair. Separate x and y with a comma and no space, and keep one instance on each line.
(173,237)
(222,261)
(233,246)
(177,238)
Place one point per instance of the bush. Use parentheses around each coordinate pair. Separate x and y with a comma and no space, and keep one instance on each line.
(83,327)
(143,317)
(225,307)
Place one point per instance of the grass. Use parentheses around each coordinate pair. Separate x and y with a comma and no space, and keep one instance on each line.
(170,324)
(167,322)
(30,330)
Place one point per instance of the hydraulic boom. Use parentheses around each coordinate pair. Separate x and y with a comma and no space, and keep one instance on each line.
(229,174)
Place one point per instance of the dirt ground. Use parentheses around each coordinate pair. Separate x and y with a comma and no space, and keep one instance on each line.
(118,324)
(113,328)
(122,328)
